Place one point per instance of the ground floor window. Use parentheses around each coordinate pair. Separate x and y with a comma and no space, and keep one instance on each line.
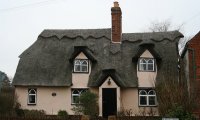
(76,93)
(32,95)
(147,97)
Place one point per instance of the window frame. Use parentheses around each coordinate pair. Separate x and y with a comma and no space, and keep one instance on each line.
(147,90)
(147,64)
(72,99)
(143,96)
(74,71)
(30,94)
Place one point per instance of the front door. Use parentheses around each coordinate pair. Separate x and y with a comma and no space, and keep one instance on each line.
(109,101)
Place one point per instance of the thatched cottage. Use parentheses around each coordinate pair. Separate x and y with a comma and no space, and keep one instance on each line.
(121,68)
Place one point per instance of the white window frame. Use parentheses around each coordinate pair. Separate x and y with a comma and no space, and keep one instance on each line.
(143,96)
(81,65)
(80,91)
(146,63)
(147,91)
(32,94)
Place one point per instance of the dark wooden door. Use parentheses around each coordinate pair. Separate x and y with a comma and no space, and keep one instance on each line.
(109,101)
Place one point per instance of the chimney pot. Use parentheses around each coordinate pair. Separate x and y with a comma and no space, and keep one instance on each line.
(116,4)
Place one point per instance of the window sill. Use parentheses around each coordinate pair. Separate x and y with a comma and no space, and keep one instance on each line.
(148,105)
(75,103)
(81,72)
(146,71)
(31,104)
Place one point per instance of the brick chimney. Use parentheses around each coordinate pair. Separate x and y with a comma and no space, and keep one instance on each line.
(116,23)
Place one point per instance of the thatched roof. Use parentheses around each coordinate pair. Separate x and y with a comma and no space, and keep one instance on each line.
(48,62)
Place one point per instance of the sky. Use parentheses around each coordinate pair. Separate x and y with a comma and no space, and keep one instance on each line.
(21,21)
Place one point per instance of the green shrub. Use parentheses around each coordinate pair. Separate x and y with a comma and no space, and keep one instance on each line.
(177,111)
(88,105)
(34,113)
(63,113)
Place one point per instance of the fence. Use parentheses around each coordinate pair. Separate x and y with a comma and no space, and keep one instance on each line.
(40,118)
(139,118)
(70,117)
(76,117)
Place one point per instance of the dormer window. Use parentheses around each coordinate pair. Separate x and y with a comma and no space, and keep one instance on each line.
(81,65)
(146,64)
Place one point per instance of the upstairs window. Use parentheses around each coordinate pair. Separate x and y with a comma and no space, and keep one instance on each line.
(32,94)
(147,97)
(81,65)
(76,93)
(147,64)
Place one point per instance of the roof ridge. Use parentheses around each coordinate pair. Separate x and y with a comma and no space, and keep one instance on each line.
(153,32)
(73,33)
(77,29)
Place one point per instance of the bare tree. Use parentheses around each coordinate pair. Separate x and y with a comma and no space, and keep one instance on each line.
(174,98)
(159,26)
(166,25)
(163,26)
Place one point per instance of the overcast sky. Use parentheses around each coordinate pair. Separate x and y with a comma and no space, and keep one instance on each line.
(21,21)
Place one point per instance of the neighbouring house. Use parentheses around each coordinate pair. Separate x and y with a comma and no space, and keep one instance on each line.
(191,60)
(121,68)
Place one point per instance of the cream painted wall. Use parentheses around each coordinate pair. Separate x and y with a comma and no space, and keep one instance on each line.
(45,101)
(146,79)
(129,101)
(126,99)
(111,85)
(132,101)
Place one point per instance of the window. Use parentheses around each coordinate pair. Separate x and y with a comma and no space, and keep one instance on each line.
(76,93)
(146,64)
(80,65)
(32,94)
(147,97)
